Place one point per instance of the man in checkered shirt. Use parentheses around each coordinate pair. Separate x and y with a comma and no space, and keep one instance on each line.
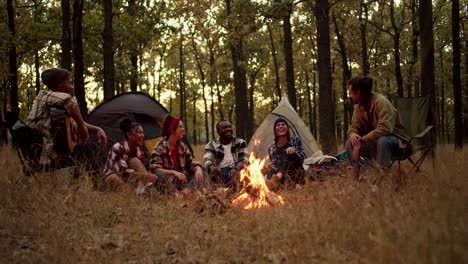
(225,156)
(60,84)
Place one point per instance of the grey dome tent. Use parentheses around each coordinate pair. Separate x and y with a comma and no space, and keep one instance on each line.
(264,137)
(139,107)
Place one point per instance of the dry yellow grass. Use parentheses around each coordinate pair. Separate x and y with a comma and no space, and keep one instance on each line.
(47,219)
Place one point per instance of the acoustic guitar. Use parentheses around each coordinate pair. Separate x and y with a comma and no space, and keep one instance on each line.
(63,130)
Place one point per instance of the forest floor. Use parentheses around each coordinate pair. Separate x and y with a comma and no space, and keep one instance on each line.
(50,219)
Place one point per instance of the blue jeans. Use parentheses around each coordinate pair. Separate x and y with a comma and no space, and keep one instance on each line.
(381,150)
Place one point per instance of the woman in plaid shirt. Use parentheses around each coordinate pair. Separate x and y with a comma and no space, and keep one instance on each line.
(125,160)
(172,160)
(286,156)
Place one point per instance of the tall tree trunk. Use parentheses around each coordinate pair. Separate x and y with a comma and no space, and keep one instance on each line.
(346,74)
(427,51)
(37,78)
(309,99)
(314,100)
(78,56)
(212,91)
(396,49)
(66,57)
(240,79)
(13,68)
(251,110)
(203,84)
(326,106)
(194,119)
(465,115)
(363,16)
(275,63)
(442,98)
(108,51)
(133,52)
(456,79)
(182,78)
(414,49)
(288,57)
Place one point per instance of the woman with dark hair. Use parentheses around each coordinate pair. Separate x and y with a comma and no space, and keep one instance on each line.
(172,160)
(286,156)
(125,164)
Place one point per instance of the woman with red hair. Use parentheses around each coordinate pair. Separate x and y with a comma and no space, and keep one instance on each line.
(172,160)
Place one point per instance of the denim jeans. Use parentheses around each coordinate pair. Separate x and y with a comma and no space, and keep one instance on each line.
(381,150)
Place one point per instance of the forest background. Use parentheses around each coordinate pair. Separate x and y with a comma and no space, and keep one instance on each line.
(235,59)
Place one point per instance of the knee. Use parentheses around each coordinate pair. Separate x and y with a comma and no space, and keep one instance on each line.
(135,163)
(384,142)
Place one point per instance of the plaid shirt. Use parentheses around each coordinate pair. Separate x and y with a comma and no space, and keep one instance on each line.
(161,158)
(118,157)
(214,152)
(40,120)
(275,156)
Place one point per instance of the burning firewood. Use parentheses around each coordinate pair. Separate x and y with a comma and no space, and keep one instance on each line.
(255,192)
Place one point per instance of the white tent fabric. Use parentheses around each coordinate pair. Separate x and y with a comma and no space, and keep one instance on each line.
(264,136)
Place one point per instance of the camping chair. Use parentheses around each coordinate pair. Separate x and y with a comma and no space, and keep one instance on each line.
(415,114)
(27,142)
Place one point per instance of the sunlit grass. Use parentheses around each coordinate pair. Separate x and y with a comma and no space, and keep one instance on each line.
(49,218)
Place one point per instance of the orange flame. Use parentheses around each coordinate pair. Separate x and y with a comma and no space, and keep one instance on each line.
(255,192)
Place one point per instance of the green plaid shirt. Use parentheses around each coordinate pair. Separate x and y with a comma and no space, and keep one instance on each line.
(40,120)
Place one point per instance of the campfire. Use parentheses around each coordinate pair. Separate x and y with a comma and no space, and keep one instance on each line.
(255,193)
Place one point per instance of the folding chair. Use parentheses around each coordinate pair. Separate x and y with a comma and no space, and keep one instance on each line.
(27,142)
(416,115)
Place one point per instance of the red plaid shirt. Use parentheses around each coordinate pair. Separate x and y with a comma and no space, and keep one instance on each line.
(118,157)
(161,158)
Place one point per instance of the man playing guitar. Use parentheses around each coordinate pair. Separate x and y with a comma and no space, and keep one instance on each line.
(60,84)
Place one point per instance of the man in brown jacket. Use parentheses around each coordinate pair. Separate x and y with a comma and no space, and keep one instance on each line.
(376,130)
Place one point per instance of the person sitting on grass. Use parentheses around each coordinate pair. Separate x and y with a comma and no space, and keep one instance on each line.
(286,156)
(225,156)
(376,130)
(60,84)
(125,168)
(172,161)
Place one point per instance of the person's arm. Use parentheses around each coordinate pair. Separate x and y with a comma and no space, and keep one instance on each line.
(386,121)
(299,149)
(209,157)
(83,134)
(355,127)
(242,155)
(157,166)
(272,157)
(101,135)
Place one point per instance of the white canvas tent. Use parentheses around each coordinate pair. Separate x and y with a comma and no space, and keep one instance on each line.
(264,136)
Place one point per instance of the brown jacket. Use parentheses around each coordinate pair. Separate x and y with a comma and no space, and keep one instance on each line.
(382,119)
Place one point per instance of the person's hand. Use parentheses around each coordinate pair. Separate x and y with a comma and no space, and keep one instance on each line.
(290,150)
(214,170)
(198,176)
(83,134)
(355,139)
(102,138)
(233,173)
(182,178)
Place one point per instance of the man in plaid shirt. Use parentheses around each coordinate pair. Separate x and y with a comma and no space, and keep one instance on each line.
(225,156)
(60,84)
